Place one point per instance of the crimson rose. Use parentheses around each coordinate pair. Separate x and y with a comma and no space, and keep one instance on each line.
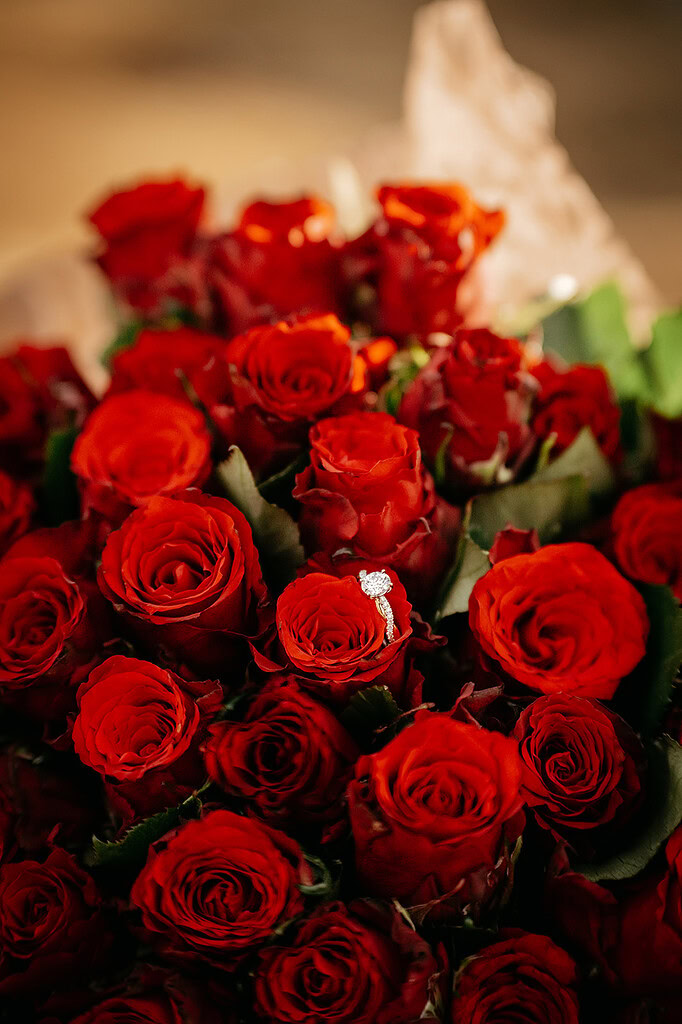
(560,619)
(571,399)
(434,813)
(16,510)
(290,758)
(471,406)
(140,727)
(580,764)
(278,260)
(217,888)
(361,964)
(647,534)
(417,253)
(185,573)
(366,489)
(136,445)
(158,997)
(524,977)
(50,924)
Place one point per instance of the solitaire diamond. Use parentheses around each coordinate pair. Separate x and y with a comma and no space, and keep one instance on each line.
(375,584)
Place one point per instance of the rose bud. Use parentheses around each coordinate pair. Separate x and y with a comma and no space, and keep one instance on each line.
(44,799)
(367,490)
(16,510)
(53,621)
(581,765)
(169,361)
(417,254)
(572,399)
(435,813)
(634,931)
(215,889)
(471,405)
(185,574)
(560,620)
(51,926)
(140,727)
(290,758)
(154,996)
(524,977)
(361,964)
(278,260)
(147,235)
(334,639)
(40,391)
(136,445)
(647,539)
(286,376)
(511,541)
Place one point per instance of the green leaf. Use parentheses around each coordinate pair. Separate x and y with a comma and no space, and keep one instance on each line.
(663,362)
(583,457)
(59,492)
(370,710)
(131,851)
(471,563)
(275,533)
(125,338)
(552,507)
(663,814)
(647,692)
(403,368)
(281,484)
(594,330)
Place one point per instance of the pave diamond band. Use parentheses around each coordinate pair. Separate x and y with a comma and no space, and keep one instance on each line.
(376,585)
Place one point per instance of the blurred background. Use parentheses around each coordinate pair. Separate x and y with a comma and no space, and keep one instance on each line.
(94,92)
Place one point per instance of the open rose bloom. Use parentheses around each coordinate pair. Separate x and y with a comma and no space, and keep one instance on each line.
(338,640)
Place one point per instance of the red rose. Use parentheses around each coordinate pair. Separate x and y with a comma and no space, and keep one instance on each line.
(290,758)
(136,445)
(580,765)
(633,931)
(434,813)
(333,637)
(668,436)
(40,391)
(366,490)
(511,541)
(166,361)
(158,997)
(647,539)
(16,510)
(361,964)
(278,260)
(147,233)
(285,376)
(471,405)
(571,399)
(524,977)
(417,253)
(560,619)
(50,924)
(140,727)
(185,573)
(217,888)
(52,621)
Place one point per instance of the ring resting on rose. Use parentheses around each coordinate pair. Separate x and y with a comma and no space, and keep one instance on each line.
(376,585)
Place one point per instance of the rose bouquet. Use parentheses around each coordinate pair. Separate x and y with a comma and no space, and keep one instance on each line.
(339,638)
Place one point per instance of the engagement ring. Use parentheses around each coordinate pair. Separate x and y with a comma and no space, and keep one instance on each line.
(376,585)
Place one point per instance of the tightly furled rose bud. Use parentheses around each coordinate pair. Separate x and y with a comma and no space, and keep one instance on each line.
(278,260)
(137,445)
(435,813)
(185,573)
(367,490)
(572,399)
(647,534)
(471,405)
(524,977)
(560,620)
(290,758)
(361,964)
(217,888)
(417,254)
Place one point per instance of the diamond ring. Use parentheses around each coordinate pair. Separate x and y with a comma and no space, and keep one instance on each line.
(376,585)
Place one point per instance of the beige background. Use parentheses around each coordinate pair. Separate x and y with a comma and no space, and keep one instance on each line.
(94,91)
